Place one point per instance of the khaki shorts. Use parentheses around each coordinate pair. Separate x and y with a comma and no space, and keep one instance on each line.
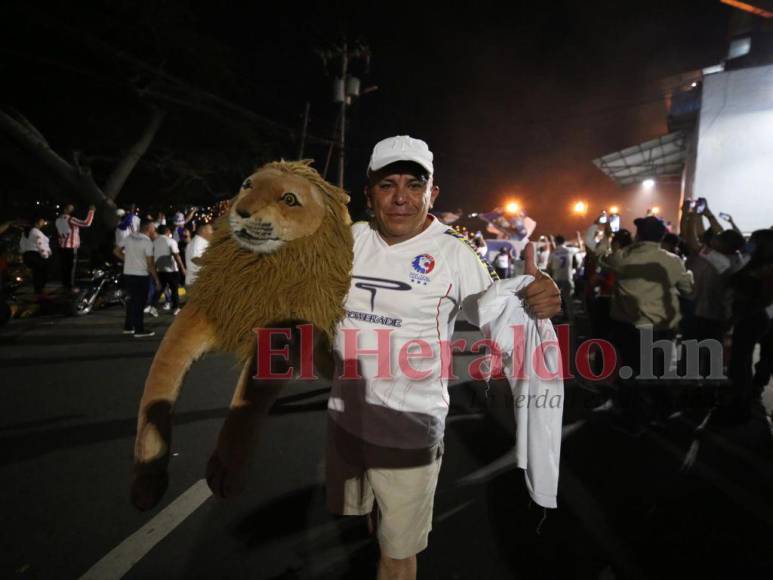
(401,483)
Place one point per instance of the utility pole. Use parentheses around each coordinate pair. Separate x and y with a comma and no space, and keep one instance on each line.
(346,87)
(342,133)
(304,127)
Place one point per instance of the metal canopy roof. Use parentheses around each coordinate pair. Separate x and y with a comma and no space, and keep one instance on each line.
(663,156)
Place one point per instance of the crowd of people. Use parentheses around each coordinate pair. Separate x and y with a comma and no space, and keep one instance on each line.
(652,291)
(157,260)
(43,242)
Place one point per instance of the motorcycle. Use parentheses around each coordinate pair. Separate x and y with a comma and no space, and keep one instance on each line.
(13,275)
(104,288)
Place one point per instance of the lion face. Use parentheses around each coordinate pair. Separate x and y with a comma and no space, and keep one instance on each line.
(274,208)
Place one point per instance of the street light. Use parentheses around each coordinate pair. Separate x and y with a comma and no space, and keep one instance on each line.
(580,208)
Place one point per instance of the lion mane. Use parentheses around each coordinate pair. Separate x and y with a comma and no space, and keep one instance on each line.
(306,280)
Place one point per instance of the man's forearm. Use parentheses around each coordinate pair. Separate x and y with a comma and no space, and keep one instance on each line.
(180,263)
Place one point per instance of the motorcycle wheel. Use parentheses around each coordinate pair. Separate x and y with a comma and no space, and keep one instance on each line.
(84,304)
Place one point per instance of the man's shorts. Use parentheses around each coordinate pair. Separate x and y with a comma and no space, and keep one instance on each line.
(402,483)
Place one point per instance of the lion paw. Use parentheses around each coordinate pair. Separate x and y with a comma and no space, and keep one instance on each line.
(225,480)
(148,488)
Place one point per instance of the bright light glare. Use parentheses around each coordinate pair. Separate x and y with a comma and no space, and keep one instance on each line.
(614,209)
(648,183)
(655,210)
(512,207)
(580,208)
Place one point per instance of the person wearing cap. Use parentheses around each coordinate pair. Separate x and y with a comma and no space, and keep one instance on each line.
(180,220)
(411,275)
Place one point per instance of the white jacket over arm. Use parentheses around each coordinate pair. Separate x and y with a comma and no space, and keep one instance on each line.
(538,389)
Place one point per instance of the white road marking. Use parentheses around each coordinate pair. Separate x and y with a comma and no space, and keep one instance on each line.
(445,515)
(507,461)
(125,555)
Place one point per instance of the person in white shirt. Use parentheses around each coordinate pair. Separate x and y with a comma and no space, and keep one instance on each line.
(135,222)
(169,266)
(35,249)
(502,262)
(138,268)
(561,266)
(410,277)
(180,220)
(480,245)
(160,219)
(543,253)
(195,249)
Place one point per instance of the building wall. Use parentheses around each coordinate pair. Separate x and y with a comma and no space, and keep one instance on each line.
(734,165)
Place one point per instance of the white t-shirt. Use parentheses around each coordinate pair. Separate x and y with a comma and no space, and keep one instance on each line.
(561,263)
(399,293)
(164,249)
(543,256)
(121,235)
(36,241)
(502,260)
(193,250)
(137,249)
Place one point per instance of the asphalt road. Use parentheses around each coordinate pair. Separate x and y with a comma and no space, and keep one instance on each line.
(669,502)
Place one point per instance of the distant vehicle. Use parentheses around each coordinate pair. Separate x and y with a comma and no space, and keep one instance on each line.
(104,288)
(13,275)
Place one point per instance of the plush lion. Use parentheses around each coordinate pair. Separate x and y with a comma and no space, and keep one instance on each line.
(282,254)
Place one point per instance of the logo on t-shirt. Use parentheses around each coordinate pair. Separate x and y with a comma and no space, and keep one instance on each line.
(374,284)
(422,266)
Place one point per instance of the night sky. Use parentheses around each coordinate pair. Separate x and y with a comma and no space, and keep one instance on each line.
(514,104)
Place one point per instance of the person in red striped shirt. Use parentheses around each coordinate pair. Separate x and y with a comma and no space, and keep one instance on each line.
(68,230)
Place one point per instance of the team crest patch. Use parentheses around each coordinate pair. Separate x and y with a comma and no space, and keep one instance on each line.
(422,266)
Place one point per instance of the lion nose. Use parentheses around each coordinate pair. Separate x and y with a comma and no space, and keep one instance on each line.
(242,213)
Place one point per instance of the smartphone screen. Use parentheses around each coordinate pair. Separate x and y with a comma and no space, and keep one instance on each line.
(614,222)
(700,205)
(724,216)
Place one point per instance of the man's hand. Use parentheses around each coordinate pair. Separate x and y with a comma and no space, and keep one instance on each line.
(542,296)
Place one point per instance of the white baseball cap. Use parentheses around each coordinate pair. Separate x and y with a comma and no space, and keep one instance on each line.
(401,148)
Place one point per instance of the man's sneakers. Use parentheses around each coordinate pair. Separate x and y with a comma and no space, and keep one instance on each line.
(128,331)
(151,310)
(176,311)
(166,306)
(144,334)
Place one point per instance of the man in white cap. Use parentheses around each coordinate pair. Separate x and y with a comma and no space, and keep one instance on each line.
(410,277)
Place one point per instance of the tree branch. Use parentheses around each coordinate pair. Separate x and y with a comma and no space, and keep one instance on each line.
(124,168)
(29,140)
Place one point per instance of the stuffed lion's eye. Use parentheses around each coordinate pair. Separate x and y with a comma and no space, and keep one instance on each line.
(290,199)
(247,184)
